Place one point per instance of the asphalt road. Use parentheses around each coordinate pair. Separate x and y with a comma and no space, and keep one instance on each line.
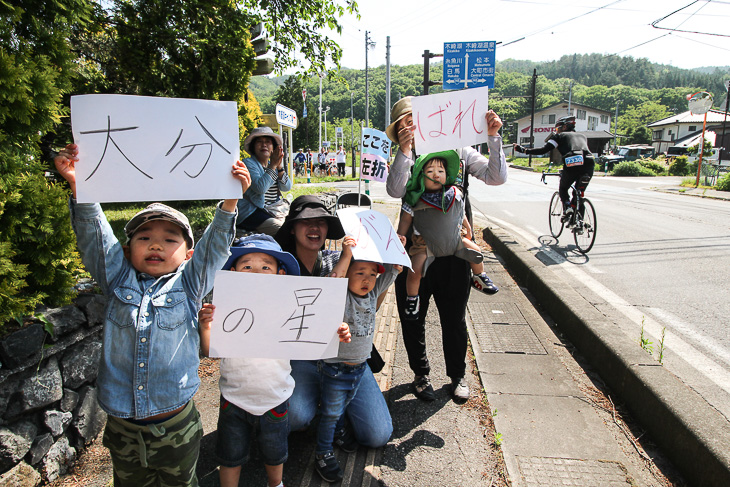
(659,259)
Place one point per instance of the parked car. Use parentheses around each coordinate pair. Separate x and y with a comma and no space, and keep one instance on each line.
(627,153)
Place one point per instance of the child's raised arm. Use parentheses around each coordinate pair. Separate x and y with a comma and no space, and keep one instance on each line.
(205,321)
(345,257)
(65,163)
(240,172)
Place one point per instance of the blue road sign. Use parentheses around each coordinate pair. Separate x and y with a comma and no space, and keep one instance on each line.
(468,65)
(304,114)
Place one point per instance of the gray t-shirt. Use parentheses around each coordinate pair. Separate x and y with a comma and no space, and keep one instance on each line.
(360,315)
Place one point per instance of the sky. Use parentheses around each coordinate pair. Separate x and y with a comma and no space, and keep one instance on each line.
(542,30)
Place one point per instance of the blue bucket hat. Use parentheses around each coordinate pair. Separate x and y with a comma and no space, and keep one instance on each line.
(264,244)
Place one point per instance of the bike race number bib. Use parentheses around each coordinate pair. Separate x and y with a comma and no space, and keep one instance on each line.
(574,161)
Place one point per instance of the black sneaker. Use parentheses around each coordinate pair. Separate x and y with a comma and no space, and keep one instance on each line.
(327,467)
(345,440)
(423,389)
(412,307)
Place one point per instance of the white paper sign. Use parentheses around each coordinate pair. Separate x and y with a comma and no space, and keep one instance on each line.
(275,316)
(450,120)
(140,148)
(377,240)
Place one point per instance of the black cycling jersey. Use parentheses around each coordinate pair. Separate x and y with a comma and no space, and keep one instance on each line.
(569,144)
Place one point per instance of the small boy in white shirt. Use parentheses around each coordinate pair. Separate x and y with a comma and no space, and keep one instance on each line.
(254,391)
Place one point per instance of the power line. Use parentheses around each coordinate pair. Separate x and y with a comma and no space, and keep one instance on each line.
(654,24)
(700,42)
(566,21)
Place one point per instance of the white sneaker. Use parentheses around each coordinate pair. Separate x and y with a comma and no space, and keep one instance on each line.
(460,389)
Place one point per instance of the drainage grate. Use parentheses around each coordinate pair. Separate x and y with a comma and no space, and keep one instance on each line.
(496,313)
(501,328)
(542,472)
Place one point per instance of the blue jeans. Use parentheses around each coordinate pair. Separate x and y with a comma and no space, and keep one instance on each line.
(339,384)
(368,412)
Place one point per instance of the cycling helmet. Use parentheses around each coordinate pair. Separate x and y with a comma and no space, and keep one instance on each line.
(567,121)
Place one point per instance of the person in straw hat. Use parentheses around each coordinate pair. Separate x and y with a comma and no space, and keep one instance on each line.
(448,278)
(262,209)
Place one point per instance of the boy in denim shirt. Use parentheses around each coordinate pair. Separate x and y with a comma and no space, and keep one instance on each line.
(150,355)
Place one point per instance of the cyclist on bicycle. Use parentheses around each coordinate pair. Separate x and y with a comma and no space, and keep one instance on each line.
(300,161)
(578,162)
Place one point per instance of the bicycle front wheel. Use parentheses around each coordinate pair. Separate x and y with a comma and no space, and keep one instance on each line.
(585,231)
(556,215)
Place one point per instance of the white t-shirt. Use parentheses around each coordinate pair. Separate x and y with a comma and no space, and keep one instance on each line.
(341,157)
(256,385)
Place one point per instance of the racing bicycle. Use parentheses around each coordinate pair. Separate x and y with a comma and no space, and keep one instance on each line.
(582,222)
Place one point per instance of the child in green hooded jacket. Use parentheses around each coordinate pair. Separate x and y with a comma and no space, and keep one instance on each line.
(435,208)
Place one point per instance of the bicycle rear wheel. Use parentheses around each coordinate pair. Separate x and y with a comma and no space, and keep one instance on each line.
(585,230)
(555,218)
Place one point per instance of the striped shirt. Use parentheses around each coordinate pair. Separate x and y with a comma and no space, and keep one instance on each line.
(273,194)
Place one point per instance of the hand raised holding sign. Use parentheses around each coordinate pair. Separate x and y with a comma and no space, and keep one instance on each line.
(494,123)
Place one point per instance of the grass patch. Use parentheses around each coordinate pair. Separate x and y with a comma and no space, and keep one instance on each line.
(690,183)
(537,162)
(323,179)
(301,190)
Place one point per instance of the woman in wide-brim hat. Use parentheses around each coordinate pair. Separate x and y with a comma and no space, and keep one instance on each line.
(305,230)
(262,209)
(303,234)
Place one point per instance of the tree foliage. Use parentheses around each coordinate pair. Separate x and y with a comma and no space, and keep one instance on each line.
(296,28)
(37,256)
(50,50)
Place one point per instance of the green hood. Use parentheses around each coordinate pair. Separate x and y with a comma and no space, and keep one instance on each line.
(417,185)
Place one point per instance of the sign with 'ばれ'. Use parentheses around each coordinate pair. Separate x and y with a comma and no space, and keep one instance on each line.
(450,120)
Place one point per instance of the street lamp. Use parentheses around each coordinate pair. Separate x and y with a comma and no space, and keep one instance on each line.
(325,123)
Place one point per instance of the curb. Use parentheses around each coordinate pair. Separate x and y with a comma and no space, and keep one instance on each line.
(695,436)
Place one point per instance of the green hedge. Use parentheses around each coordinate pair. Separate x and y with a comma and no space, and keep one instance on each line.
(723,184)
(631,168)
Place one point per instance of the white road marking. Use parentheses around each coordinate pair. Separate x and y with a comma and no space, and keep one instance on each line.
(673,342)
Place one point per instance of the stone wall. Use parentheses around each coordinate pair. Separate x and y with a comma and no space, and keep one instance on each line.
(48,407)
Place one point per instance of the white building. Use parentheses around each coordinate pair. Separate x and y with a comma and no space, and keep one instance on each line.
(684,129)
(593,123)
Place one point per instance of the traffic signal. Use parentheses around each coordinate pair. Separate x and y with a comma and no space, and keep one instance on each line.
(261,46)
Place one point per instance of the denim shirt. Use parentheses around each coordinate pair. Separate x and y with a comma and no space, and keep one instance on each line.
(150,342)
(261,180)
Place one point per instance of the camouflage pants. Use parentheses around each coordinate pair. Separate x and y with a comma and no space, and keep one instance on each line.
(161,455)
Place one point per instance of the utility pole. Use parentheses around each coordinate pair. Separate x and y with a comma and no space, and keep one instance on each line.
(320,113)
(387,81)
(352,135)
(427,83)
(368,45)
(615,125)
(570,96)
(724,122)
(532,114)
